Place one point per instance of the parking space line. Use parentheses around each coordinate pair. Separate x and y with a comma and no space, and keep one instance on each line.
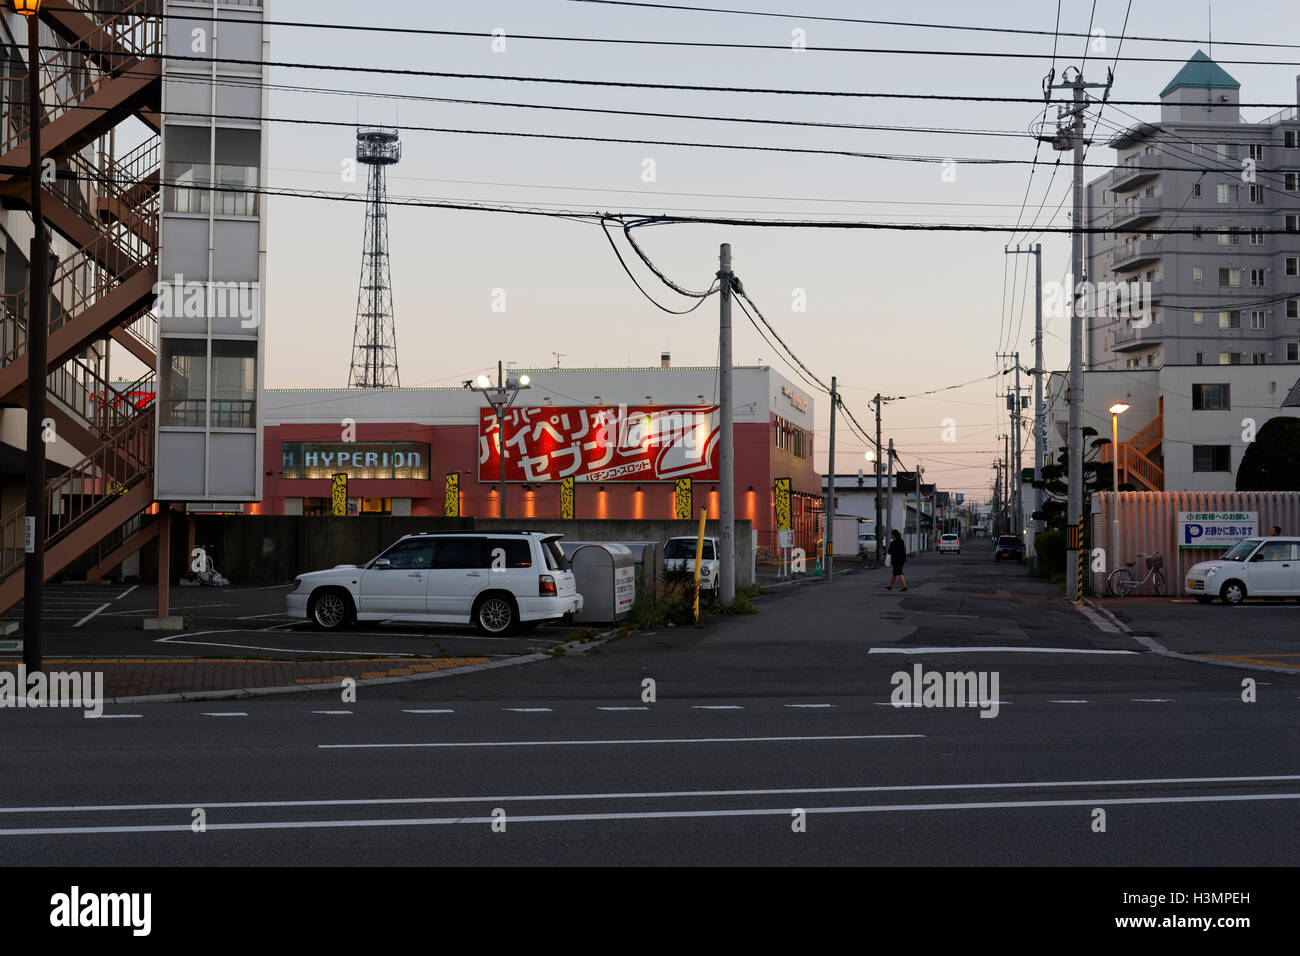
(529,710)
(1150,700)
(90,615)
(333,713)
(621,742)
(622,708)
(115,716)
(810,706)
(126,592)
(716,707)
(1067,702)
(430,711)
(227,713)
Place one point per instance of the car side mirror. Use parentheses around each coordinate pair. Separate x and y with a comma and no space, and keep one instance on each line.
(383,564)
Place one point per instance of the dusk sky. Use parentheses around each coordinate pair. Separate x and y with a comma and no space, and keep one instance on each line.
(895,312)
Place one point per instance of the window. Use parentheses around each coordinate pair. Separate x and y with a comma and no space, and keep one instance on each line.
(1200,358)
(1293,351)
(1258,319)
(234,384)
(1151,359)
(1293,308)
(1256,151)
(452,553)
(1257,194)
(1196,149)
(1211,458)
(1228,236)
(1226,150)
(1228,193)
(1216,397)
(1291,181)
(1293,265)
(1198,273)
(1229,358)
(407,555)
(189,169)
(1275,551)
(191,173)
(1293,223)
(1198,318)
(1196,189)
(1230,278)
(1259,358)
(184,383)
(1289,139)
(1197,232)
(1256,277)
(1257,237)
(516,552)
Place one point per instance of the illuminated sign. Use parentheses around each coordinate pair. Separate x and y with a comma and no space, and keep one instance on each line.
(357,460)
(624,443)
(797,400)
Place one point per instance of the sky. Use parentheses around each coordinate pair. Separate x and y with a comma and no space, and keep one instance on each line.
(900,313)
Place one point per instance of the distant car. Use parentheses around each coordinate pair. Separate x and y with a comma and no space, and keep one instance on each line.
(867,544)
(497,581)
(679,555)
(950,542)
(1009,546)
(1255,567)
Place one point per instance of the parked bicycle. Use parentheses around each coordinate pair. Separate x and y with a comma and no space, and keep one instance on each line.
(1122,581)
(204,571)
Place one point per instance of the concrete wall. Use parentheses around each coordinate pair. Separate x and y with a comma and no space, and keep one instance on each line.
(274,549)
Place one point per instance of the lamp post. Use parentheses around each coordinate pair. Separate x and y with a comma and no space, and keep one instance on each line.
(1116,410)
(37,333)
(500,396)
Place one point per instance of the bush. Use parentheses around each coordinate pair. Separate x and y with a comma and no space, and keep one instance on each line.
(1050,548)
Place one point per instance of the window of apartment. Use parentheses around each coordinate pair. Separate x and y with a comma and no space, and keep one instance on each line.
(192,175)
(189,169)
(183,384)
(1229,358)
(1228,236)
(1256,277)
(1289,138)
(1256,151)
(1257,237)
(1196,149)
(1198,318)
(1291,181)
(1211,458)
(1228,193)
(1293,265)
(1151,359)
(239,160)
(1196,189)
(1226,150)
(1293,223)
(1259,358)
(1197,232)
(1230,320)
(1198,274)
(1230,278)
(234,384)
(1258,319)
(1257,194)
(1293,308)
(1214,397)
(1293,351)
(1200,358)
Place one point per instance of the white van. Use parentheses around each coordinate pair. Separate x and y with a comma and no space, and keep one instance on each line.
(497,581)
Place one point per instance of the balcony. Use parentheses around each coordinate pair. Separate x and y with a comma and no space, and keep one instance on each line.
(1135,172)
(1134,212)
(1127,338)
(1135,255)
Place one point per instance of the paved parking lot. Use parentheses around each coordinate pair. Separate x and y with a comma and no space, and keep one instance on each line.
(103,619)
(1257,631)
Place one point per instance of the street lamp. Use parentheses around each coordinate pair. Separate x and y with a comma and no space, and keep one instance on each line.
(37,353)
(1116,410)
(501,396)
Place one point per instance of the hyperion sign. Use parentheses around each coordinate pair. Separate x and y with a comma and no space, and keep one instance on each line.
(627,443)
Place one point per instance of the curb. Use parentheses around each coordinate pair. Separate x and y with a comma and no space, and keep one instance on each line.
(253,692)
(1155,647)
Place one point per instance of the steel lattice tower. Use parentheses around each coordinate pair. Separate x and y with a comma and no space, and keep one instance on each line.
(374,341)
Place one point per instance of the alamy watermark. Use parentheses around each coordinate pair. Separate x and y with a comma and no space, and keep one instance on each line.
(922,688)
(52,689)
(179,299)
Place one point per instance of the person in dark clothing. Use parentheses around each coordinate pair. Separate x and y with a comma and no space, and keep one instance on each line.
(897,556)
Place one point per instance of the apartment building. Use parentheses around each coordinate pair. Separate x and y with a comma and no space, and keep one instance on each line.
(1228,291)
(156,225)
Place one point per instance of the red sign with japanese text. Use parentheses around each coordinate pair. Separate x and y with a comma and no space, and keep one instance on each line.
(623,443)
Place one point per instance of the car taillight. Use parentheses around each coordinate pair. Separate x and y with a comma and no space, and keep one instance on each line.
(546,586)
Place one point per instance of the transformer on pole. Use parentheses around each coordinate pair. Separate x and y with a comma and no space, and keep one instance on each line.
(374,340)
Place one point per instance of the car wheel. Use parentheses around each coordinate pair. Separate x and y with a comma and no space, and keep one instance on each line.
(331,610)
(1233,593)
(1204,599)
(495,614)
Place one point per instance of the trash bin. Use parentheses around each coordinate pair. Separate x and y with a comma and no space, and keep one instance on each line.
(606,578)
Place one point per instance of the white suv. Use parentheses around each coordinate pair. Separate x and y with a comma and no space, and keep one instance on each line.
(495,580)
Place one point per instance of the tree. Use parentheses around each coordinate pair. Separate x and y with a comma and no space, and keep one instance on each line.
(1097,476)
(1272,460)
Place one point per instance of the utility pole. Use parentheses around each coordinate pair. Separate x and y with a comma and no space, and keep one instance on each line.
(727,461)
(830,490)
(1019,466)
(889,501)
(1037,372)
(879,400)
(1070,136)
(919,471)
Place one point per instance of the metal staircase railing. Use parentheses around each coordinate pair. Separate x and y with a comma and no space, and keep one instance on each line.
(84,490)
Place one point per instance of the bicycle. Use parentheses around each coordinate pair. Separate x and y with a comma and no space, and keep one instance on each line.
(1122,581)
(203,571)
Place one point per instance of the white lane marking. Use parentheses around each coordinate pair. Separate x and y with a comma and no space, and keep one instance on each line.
(810,705)
(656,814)
(90,615)
(716,707)
(622,708)
(1099,622)
(254,617)
(175,639)
(890,703)
(652,794)
(115,716)
(1151,700)
(529,710)
(1067,702)
(608,743)
(126,592)
(991,649)
(333,713)
(430,711)
(226,713)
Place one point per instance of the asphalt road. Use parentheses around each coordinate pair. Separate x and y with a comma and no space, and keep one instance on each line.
(753,719)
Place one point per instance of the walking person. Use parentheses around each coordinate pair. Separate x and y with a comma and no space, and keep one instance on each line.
(897,556)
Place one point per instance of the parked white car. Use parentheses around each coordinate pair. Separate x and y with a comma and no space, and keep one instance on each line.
(866,544)
(497,581)
(1255,567)
(679,555)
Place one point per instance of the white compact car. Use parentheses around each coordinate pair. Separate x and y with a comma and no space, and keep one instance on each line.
(950,542)
(867,544)
(497,581)
(679,555)
(1255,567)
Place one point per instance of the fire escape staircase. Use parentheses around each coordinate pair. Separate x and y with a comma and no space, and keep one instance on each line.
(1141,460)
(108,209)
